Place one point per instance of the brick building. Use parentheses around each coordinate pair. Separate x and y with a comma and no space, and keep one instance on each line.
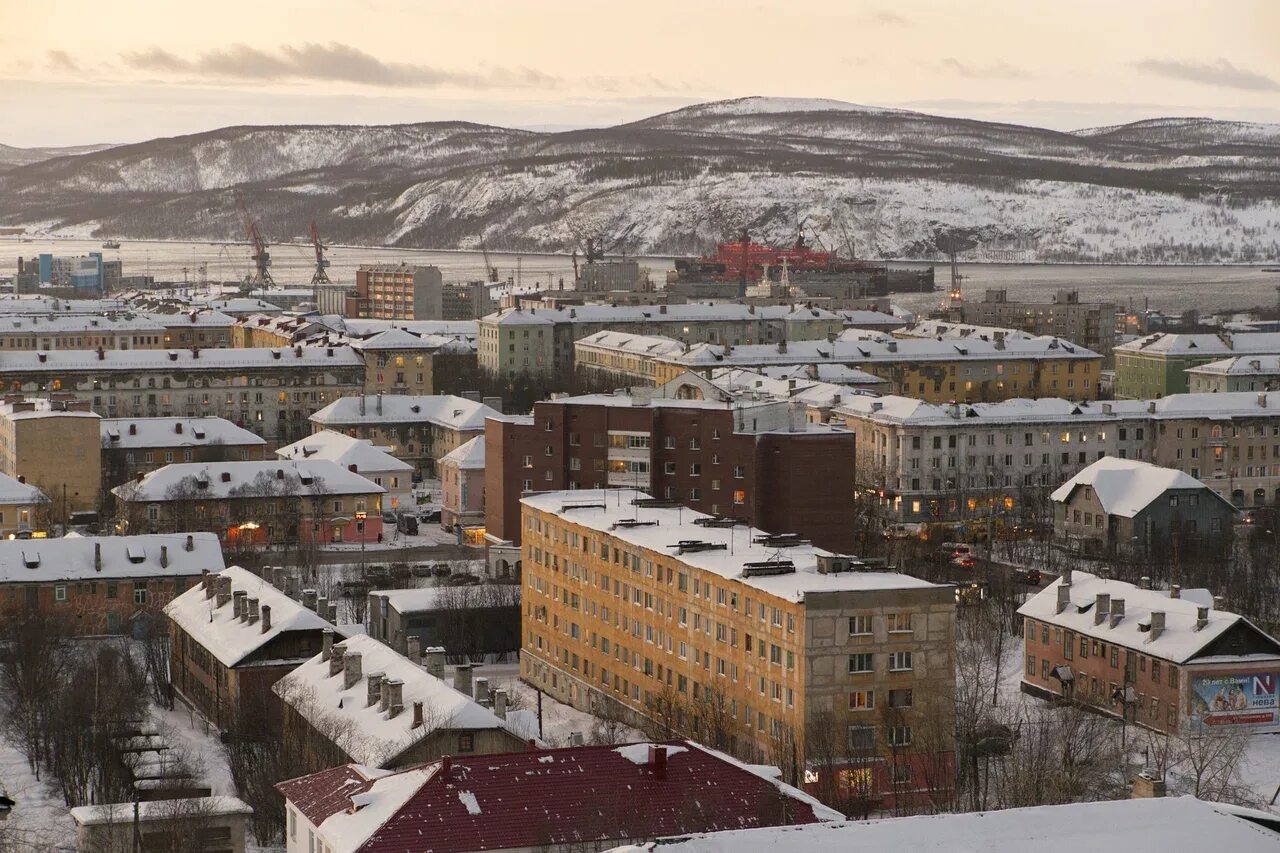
(37,438)
(1170,660)
(462,483)
(405,292)
(752,644)
(133,446)
(232,636)
(759,461)
(101,585)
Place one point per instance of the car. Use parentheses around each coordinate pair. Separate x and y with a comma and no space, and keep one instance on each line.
(421,570)
(906,530)
(1031,577)
(388,517)
(408,525)
(462,580)
(432,517)
(440,570)
(964,561)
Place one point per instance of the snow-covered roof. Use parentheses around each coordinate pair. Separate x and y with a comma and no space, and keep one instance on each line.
(446,410)
(742,382)
(1241,365)
(647,345)
(242,305)
(26,304)
(354,454)
(1178,642)
(691,312)
(1126,487)
(399,339)
(89,324)
(33,408)
(369,735)
(612,512)
(227,638)
(946,330)
(1154,825)
(108,557)
(837,374)
(558,797)
(174,432)
(246,479)
(466,456)
(223,358)
(866,319)
(202,318)
(195,808)
(1205,344)
(14,492)
(362,328)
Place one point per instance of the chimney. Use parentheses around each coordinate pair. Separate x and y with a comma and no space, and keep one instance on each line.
(657,759)
(326,643)
(97,557)
(1219,602)
(462,678)
(164,556)
(413,649)
(1144,582)
(1101,608)
(309,599)
(1066,577)
(237,604)
(336,654)
(1262,400)
(266,618)
(177,427)
(480,691)
(1202,617)
(204,583)
(191,543)
(322,607)
(252,611)
(384,699)
(1175,591)
(500,703)
(434,663)
(102,354)
(223,597)
(373,687)
(1117,611)
(417,715)
(395,698)
(350,670)
(1147,785)
(1157,625)
(1064,596)
(226,476)
(379,404)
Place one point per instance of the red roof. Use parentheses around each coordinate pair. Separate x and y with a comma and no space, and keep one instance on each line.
(326,793)
(557,796)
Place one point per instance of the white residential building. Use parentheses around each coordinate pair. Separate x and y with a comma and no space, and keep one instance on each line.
(360,456)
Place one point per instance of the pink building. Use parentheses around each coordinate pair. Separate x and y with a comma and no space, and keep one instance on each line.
(462,489)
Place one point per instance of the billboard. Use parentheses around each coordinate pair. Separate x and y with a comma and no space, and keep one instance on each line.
(1236,699)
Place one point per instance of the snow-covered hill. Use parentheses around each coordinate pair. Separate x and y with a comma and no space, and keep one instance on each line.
(889,183)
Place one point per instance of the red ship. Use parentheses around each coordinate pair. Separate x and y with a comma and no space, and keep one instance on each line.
(742,258)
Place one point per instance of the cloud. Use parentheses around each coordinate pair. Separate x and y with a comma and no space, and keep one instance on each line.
(996,70)
(1221,73)
(60,60)
(333,62)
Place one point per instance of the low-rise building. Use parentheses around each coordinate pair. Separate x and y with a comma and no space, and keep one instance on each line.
(102,585)
(1170,660)
(133,446)
(756,460)
(255,503)
(24,509)
(540,801)
(462,476)
(359,456)
(1127,507)
(541,342)
(417,429)
(475,622)
(212,824)
(400,362)
(926,368)
(232,636)
(38,439)
(1241,373)
(268,391)
(762,646)
(361,701)
(1156,365)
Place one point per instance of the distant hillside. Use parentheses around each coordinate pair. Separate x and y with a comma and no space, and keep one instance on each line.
(11,157)
(888,183)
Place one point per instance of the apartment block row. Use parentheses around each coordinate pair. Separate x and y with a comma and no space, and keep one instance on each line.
(1158,365)
(925,461)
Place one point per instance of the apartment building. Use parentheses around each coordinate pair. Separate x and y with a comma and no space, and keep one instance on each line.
(1172,661)
(410,292)
(938,371)
(280,502)
(416,429)
(666,613)
(53,443)
(1241,373)
(133,446)
(462,489)
(759,461)
(1090,324)
(359,456)
(270,392)
(400,362)
(101,584)
(537,341)
(32,332)
(1156,365)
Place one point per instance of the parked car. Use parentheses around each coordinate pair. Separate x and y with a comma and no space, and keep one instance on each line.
(421,570)
(430,517)
(905,530)
(964,561)
(388,517)
(408,525)
(462,580)
(1031,577)
(440,570)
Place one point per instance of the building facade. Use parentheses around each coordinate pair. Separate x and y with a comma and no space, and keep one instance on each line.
(1241,373)
(1090,324)
(1156,365)
(760,650)
(37,438)
(133,446)
(462,484)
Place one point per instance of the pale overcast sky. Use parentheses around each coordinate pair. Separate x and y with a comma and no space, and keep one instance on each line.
(85,71)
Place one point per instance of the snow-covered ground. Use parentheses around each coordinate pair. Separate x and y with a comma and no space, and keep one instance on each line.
(40,820)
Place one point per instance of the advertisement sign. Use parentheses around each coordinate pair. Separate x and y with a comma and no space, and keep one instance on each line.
(1236,699)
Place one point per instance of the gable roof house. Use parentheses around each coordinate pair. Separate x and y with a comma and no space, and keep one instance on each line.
(233,636)
(1128,507)
(588,798)
(362,701)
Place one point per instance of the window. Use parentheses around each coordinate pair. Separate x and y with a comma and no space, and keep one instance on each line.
(466,742)
(900,698)
(140,593)
(898,622)
(862,700)
(60,592)
(899,661)
(862,737)
(859,626)
(900,735)
(861,663)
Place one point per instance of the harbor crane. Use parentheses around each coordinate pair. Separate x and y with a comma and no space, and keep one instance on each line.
(490,271)
(261,276)
(321,275)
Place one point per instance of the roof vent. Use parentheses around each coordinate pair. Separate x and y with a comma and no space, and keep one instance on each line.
(226,476)
(693,546)
(31,560)
(766,568)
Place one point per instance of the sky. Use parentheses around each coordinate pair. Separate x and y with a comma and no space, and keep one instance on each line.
(82,71)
